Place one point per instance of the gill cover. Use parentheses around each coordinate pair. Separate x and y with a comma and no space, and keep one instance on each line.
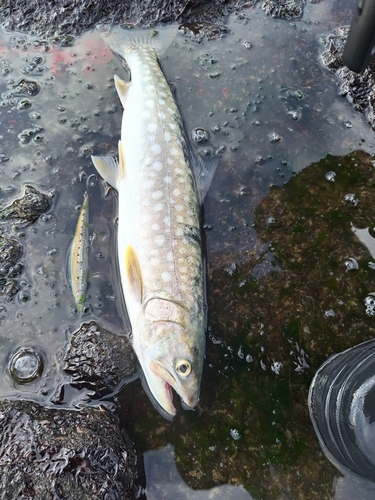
(170,353)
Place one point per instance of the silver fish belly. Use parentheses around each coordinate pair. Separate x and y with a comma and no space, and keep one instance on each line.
(159,234)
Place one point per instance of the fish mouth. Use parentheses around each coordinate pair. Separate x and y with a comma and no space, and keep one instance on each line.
(159,390)
(170,382)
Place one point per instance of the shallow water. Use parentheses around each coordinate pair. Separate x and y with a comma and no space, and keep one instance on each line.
(270,110)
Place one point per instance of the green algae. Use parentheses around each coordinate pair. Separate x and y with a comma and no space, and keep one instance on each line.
(269,335)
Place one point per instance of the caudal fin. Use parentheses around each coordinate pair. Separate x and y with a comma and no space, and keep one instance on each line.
(124,40)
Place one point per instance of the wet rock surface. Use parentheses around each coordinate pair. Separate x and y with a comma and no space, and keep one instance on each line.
(50,454)
(60,18)
(10,267)
(252,424)
(23,212)
(290,9)
(357,88)
(98,360)
(74,17)
(28,208)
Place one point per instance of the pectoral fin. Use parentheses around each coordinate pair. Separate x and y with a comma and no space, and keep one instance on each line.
(107,167)
(133,273)
(204,171)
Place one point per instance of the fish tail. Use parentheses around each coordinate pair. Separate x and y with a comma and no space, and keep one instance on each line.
(125,41)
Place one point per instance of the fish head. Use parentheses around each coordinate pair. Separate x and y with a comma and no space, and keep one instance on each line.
(171,355)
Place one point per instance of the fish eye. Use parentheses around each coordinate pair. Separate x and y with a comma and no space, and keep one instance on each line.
(183,367)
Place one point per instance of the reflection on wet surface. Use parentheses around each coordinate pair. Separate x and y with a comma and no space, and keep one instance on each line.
(288,277)
(164,481)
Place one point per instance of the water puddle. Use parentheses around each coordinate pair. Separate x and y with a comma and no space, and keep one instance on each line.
(260,100)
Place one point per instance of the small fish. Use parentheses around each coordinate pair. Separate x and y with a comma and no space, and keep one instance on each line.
(159,233)
(78,261)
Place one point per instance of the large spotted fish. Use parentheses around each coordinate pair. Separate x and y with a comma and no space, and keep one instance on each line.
(159,235)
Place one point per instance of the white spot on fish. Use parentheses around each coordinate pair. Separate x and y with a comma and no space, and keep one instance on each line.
(155,261)
(156,148)
(167,220)
(167,136)
(179,232)
(170,256)
(155,227)
(162,115)
(157,194)
(152,127)
(167,179)
(166,276)
(178,208)
(162,93)
(149,183)
(158,166)
(176,192)
(149,103)
(159,239)
(161,102)
(179,218)
(169,161)
(158,207)
(179,171)
(174,152)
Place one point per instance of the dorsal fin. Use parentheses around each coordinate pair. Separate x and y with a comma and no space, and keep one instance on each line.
(122,88)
